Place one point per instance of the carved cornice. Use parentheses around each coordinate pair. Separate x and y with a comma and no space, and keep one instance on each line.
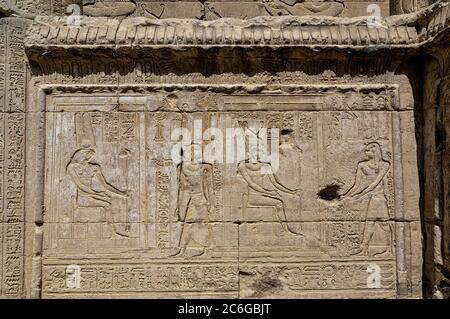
(404,31)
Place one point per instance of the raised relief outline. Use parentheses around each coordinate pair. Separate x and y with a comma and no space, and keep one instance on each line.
(374,171)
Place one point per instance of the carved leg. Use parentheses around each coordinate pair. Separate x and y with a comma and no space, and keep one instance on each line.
(277,204)
(118,229)
(185,238)
(368,234)
(202,237)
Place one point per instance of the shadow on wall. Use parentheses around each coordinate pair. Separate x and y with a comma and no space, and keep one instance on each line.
(423,73)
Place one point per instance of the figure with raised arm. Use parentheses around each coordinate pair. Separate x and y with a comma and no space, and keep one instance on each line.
(264,188)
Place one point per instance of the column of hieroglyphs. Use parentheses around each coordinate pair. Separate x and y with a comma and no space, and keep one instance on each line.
(13,81)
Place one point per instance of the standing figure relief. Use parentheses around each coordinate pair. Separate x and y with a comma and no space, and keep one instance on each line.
(371,184)
(289,173)
(195,204)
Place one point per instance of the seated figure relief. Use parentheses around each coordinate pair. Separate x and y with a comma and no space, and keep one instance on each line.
(93,191)
(111,8)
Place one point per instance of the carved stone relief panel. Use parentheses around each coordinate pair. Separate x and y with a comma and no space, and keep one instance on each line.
(409,6)
(332,213)
(28,7)
(445,104)
(211,10)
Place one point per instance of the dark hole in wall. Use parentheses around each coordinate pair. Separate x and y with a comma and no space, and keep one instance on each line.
(265,285)
(330,192)
(286,131)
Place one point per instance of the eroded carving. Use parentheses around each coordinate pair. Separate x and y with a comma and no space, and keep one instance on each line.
(112,8)
(212,10)
(300,7)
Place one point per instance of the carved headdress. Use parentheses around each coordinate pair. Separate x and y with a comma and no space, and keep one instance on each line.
(84,131)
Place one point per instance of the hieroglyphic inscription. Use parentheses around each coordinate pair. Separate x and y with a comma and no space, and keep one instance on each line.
(313,276)
(2,187)
(3,62)
(2,163)
(111,129)
(2,83)
(117,127)
(15,80)
(326,206)
(34,7)
(12,157)
(146,278)
(162,215)
(305,126)
(128,124)
(217,190)
(13,203)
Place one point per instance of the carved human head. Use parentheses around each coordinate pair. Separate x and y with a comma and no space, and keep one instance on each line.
(83,155)
(373,151)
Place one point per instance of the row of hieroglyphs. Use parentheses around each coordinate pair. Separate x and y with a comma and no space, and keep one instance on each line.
(210,278)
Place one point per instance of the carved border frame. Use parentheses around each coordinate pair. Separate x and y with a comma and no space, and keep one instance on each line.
(408,232)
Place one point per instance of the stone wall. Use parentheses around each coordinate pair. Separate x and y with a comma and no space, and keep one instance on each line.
(436,179)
